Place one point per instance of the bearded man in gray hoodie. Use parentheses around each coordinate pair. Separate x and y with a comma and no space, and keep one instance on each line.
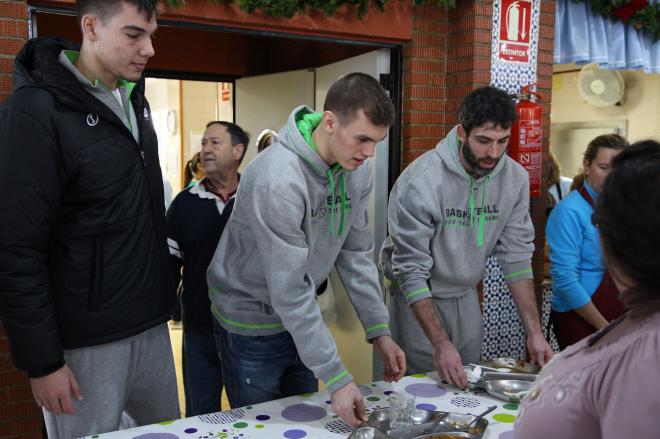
(448,211)
(301,208)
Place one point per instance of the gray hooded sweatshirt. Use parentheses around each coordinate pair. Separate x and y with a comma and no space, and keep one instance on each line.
(444,224)
(294,219)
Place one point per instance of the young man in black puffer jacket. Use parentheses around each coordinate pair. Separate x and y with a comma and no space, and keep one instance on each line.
(85,285)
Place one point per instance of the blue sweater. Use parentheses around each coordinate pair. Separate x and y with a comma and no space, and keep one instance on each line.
(576,258)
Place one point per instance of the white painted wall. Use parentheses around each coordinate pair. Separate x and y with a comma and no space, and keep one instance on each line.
(636,118)
(265,101)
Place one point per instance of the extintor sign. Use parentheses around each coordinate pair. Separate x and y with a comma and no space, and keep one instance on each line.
(515,22)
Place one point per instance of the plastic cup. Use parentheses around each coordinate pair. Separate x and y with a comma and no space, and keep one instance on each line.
(402,407)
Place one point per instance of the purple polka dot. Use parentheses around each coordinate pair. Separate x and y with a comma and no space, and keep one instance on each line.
(303,413)
(263,418)
(388,392)
(506,435)
(294,434)
(426,407)
(190,430)
(425,390)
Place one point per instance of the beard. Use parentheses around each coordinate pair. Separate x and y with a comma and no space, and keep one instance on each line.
(475,164)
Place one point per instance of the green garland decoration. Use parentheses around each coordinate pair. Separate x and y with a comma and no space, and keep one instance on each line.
(288,8)
(641,14)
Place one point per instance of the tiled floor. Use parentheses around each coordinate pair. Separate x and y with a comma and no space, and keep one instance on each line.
(176,337)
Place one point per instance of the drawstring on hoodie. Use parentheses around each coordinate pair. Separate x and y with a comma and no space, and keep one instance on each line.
(306,123)
(481,215)
(342,205)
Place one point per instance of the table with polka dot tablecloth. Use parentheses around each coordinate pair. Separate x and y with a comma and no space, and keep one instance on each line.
(309,416)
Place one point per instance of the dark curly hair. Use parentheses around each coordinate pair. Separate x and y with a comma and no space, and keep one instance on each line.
(486,105)
(628,214)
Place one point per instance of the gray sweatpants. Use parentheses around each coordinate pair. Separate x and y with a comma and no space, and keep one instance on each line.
(134,375)
(460,316)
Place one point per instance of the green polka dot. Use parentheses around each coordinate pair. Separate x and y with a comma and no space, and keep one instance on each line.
(418,375)
(259,426)
(374,385)
(504,417)
(95,436)
(249,407)
(164,423)
(511,406)
(306,395)
(335,416)
(240,425)
(373,398)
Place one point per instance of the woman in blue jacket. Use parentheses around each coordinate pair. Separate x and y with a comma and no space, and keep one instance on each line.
(584,297)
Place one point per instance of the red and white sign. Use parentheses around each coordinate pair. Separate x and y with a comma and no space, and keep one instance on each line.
(226,91)
(515,23)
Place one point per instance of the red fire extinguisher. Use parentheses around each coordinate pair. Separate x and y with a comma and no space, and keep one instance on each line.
(526,142)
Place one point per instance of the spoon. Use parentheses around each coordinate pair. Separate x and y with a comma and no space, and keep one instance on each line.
(490,409)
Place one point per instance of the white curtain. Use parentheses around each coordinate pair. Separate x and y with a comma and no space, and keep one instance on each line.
(583,36)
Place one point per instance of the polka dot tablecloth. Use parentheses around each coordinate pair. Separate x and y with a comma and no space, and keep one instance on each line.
(310,416)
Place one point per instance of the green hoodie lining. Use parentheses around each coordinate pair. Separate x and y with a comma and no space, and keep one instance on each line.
(331,381)
(307,123)
(518,273)
(482,217)
(373,328)
(417,292)
(247,325)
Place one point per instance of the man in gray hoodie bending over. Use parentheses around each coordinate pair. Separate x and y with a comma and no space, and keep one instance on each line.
(301,208)
(448,211)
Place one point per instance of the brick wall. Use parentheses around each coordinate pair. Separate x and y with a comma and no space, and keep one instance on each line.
(19,416)
(13,33)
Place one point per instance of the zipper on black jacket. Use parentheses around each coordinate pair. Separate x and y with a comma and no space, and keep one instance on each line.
(144,160)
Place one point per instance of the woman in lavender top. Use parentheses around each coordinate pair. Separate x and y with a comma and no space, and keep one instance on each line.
(608,385)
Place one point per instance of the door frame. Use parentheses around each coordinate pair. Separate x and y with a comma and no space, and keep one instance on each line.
(394,84)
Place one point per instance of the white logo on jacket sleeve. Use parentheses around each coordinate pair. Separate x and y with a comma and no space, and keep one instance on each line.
(92,119)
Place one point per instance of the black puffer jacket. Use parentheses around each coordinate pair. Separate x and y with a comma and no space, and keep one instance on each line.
(83,252)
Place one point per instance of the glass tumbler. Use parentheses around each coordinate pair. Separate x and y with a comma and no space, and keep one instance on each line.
(402,407)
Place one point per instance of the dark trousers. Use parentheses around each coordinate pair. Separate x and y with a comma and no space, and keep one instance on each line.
(257,369)
(202,373)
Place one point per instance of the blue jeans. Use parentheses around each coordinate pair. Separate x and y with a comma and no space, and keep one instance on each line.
(261,368)
(202,373)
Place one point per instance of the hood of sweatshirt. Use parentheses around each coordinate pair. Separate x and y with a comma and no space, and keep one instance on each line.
(297,132)
(449,150)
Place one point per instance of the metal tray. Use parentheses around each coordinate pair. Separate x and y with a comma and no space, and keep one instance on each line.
(448,435)
(426,424)
(514,364)
(507,389)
